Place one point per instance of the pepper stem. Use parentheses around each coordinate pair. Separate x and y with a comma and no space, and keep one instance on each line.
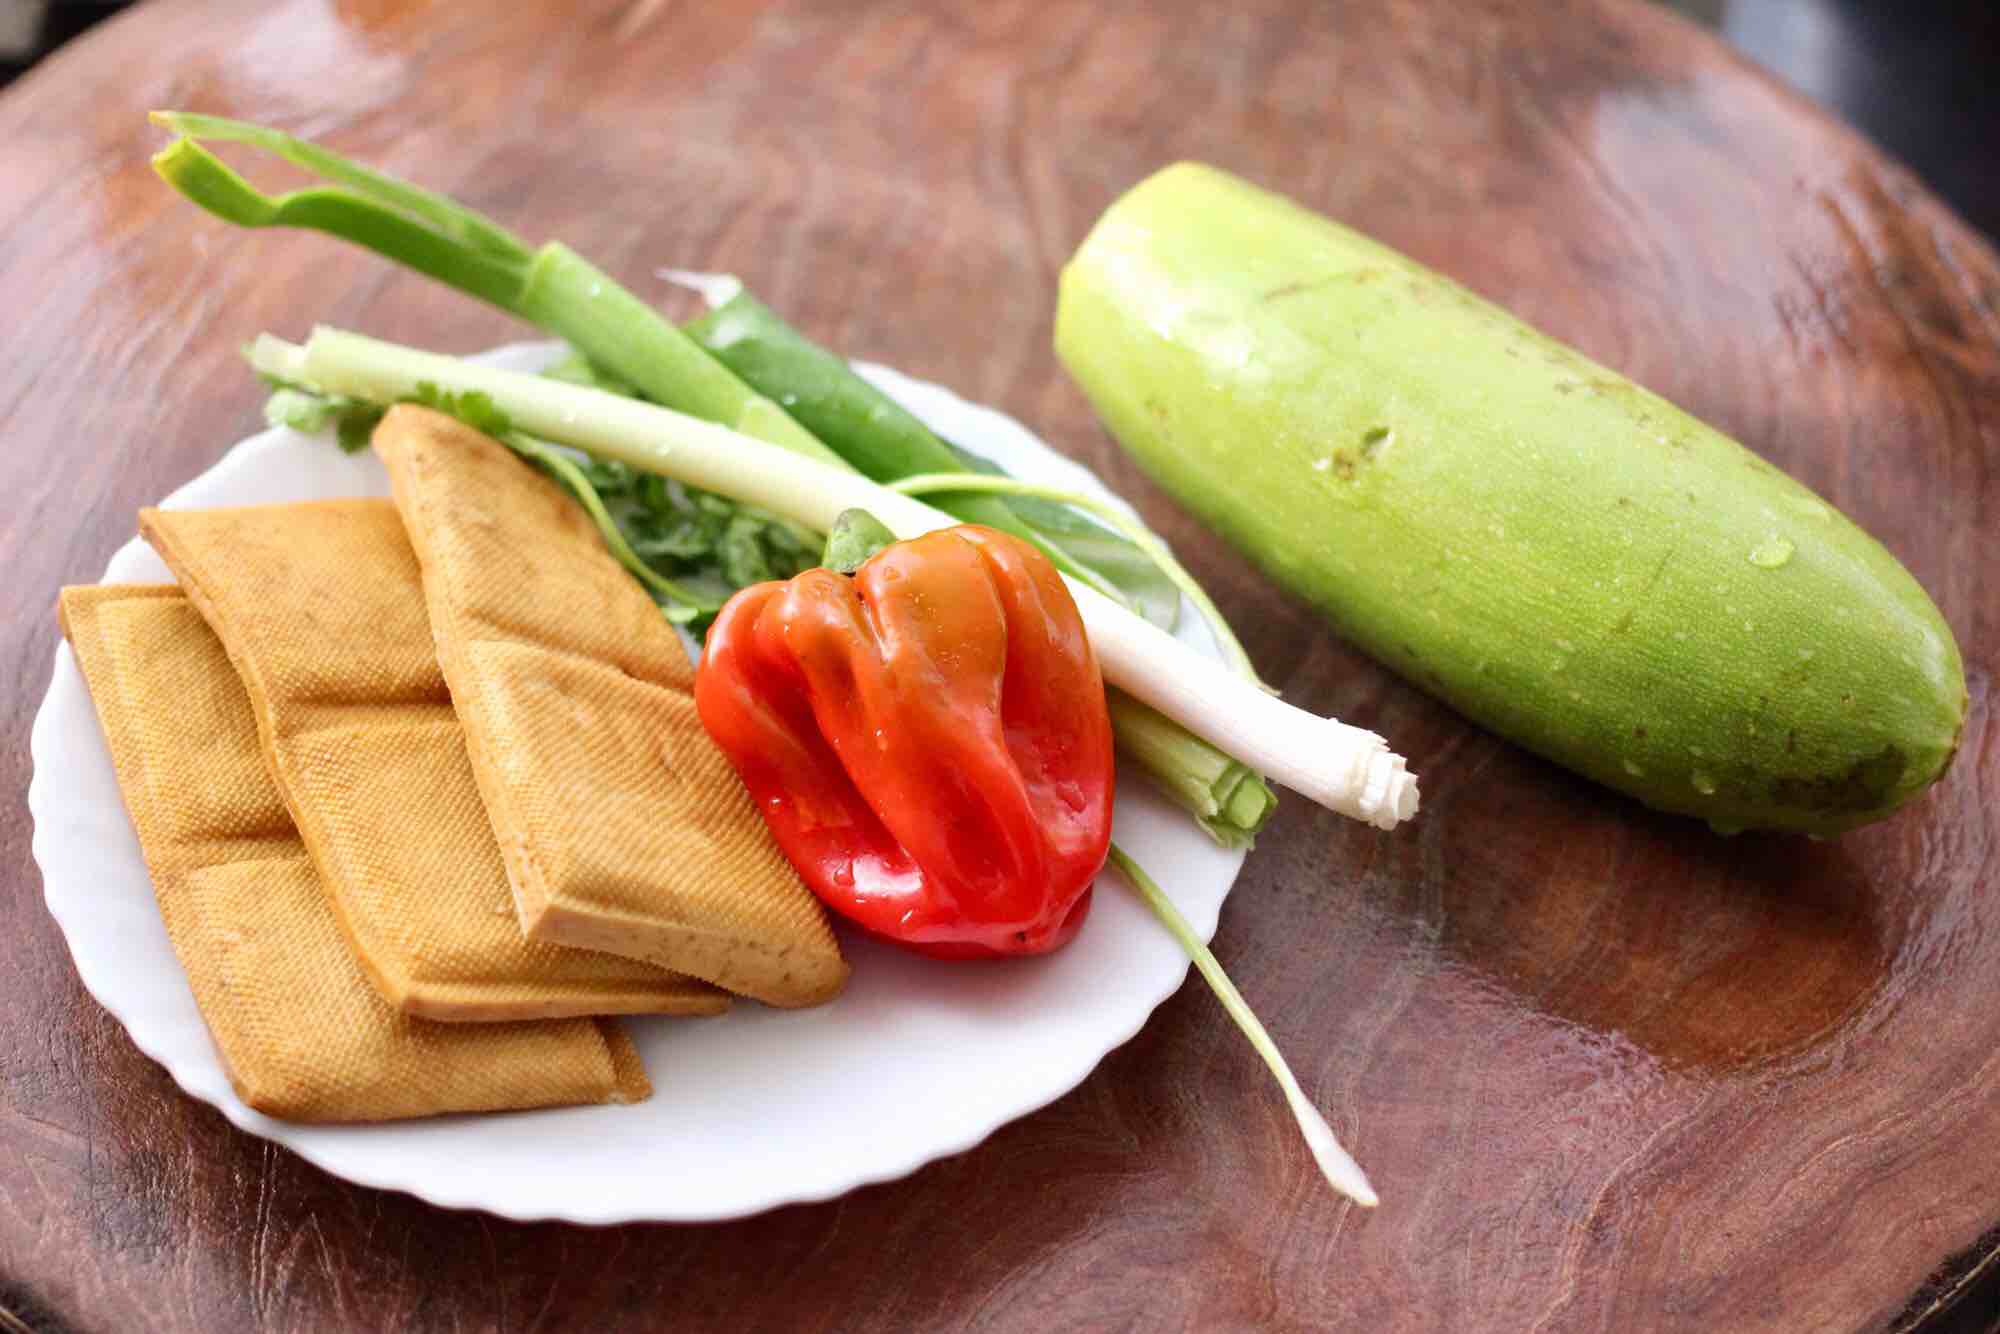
(855,536)
(1335,1163)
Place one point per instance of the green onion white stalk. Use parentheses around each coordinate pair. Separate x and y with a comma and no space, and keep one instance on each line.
(1343,768)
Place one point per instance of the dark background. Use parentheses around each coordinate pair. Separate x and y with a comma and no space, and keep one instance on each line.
(1916,76)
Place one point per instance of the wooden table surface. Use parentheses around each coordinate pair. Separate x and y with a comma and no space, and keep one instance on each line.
(1610,1072)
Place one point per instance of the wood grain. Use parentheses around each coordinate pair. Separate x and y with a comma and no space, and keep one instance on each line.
(1611,1072)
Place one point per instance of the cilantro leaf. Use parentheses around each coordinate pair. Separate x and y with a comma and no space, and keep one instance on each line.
(688,548)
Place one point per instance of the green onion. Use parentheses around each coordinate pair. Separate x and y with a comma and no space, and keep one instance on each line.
(1226,797)
(888,443)
(1342,768)
(624,340)
(552,286)
(872,431)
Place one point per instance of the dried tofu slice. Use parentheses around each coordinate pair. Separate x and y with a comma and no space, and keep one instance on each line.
(301,1033)
(321,608)
(622,825)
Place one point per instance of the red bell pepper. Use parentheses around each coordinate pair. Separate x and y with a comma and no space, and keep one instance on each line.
(927,740)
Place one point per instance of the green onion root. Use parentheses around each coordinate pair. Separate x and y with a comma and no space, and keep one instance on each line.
(1335,1163)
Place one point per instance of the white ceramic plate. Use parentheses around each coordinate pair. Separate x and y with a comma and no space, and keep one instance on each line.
(917,1060)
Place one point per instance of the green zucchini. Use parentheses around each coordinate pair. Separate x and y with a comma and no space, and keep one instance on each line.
(1563,556)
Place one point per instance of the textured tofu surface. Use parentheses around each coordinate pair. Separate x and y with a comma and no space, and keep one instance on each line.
(301,1032)
(320,606)
(622,826)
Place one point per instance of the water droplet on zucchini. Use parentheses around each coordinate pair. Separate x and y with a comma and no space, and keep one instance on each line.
(1772,552)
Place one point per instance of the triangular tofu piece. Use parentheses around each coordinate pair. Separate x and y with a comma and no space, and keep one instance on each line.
(623,827)
(301,1032)
(321,608)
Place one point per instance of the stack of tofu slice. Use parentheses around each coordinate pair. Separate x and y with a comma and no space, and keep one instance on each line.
(423,794)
